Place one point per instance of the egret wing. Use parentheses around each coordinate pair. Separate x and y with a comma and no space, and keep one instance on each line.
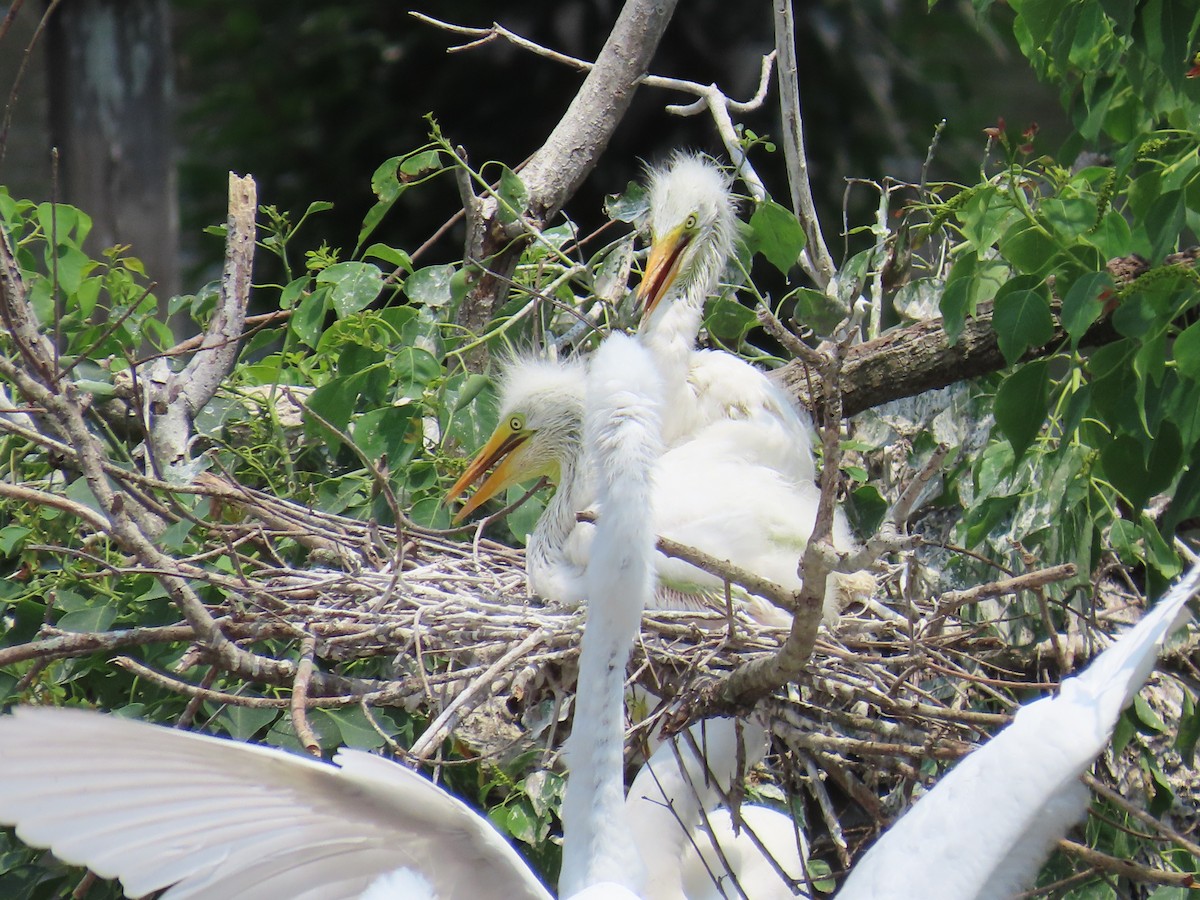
(221,820)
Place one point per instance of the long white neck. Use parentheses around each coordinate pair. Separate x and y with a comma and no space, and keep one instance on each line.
(622,435)
(670,336)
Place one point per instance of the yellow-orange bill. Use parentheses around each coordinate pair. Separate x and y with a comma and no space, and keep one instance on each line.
(662,268)
(498,449)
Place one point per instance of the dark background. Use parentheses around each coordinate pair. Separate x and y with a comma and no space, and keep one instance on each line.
(310,96)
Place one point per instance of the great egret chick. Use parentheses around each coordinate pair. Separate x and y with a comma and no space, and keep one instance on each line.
(707,494)
(693,223)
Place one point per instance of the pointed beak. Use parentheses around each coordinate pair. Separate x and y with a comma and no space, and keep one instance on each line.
(499,450)
(662,268)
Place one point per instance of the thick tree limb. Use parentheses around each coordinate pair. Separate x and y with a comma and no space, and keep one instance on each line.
(555,171)
(908,361)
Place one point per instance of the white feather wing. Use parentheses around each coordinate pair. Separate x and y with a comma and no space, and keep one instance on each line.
(986,828)
(222,820)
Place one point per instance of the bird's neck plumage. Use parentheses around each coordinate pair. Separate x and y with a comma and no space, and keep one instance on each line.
(623,440)
(544,554)
(670,335)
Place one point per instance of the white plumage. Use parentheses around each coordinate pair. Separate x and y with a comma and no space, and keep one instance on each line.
(989,824)
(693,224)
(710,493)
(222,820)
(670,803)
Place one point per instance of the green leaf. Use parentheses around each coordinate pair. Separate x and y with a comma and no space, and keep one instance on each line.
(244,722)
(1021,405)
(93,618)
(1147,716)
(970,281)
(1188,732)
(728,321)
(352,286)
(390,255)
(513,195)
(12,537)
(1022,320)
(628,206)
(353,727)
(415,370)
(471,389)
(1084,303)
(430,286)
(1028,247)
(867,508)
(1186,352)
(334,402)
(1039,16)
(385,182)
(778,233)
(818,311)
(1164,222)
(420,165)
(1138,475)
(308,321)
(985,216)
(387,432)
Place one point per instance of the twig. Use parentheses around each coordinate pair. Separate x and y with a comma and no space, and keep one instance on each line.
(828,814)
(952,601)
(1127,868)
(299,699)
(469,698)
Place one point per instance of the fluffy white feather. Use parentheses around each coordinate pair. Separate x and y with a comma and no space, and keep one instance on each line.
(693,222)
(712,493)
(220,820)
(622,434)
(678,791)
(986,828)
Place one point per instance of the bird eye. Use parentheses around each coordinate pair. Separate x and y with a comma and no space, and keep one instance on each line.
(516,423)
(691,222)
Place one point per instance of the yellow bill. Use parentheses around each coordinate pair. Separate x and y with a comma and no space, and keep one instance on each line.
(496,452)
(662,268)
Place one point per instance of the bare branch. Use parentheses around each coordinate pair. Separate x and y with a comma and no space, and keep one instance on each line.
(815,260)
(173,399)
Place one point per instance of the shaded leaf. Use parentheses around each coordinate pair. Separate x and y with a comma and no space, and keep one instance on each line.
(1022,320)
(352,285)
(1021,405)
(778,233)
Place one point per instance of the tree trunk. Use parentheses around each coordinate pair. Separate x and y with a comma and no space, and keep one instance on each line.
(111,109)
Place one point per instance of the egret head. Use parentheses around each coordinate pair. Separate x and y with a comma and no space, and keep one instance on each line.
(540,429)
(693,220)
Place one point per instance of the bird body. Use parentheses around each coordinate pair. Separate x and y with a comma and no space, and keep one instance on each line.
(707,874)
(707,493)
(678,796)
(693,223)
(995,817)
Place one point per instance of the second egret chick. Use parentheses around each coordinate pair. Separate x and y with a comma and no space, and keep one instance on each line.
(693,223)
(707,495)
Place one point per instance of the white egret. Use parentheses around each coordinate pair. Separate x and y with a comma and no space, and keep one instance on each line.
(219,820)
(678,791)
(693,223)
(624,440)
(986,828)
(706,495)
